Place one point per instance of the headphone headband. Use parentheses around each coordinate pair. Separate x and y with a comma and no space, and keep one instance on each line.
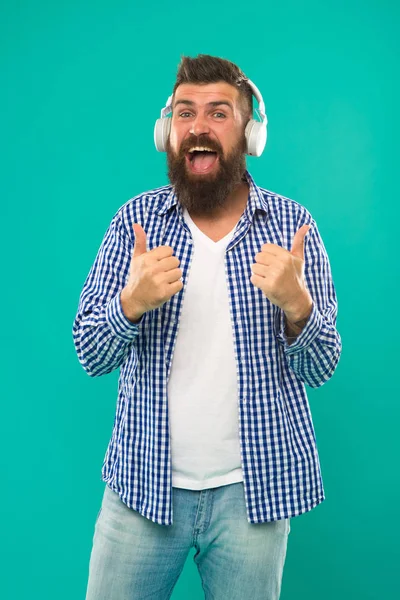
(261,108)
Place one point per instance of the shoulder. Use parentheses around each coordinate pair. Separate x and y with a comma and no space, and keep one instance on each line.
(137,208)
(285,209)
(149,200)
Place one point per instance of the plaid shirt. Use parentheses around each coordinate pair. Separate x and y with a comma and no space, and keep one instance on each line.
(280,463)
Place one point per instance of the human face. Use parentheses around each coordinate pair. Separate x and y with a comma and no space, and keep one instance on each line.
(206,115)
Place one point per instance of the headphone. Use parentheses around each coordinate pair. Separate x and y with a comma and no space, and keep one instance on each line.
(255,132)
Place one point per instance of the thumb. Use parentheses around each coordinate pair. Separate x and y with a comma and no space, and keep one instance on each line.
(140,240)
(298,241)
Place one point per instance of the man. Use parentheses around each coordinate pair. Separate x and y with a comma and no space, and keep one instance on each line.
(215,298)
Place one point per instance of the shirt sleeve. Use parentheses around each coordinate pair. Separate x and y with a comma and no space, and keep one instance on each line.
(103,336)
(315,353)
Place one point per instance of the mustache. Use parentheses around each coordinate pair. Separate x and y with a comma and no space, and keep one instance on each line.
(199,141)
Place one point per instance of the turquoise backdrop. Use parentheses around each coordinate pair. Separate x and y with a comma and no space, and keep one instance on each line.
(81,86)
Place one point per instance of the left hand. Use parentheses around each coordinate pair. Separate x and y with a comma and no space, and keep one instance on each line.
(280,275)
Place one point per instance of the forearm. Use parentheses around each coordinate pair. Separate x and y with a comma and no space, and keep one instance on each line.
(103,337)
(312,347)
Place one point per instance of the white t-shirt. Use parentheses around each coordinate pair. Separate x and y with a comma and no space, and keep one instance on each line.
(202,388)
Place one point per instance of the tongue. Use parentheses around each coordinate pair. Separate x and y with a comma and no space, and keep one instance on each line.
(202,161)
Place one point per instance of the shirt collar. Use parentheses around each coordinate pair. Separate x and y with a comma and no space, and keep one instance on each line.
(255,201)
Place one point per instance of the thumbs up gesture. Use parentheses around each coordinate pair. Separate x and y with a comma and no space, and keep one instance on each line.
(280,275)
(154,277)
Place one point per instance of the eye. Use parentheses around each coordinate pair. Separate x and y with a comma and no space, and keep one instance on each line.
(182,114)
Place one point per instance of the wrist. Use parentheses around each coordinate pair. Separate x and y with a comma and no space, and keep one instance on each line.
(129,307)
(300,313)
(296,320)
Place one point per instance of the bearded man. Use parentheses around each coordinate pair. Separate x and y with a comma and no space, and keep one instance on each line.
(215,298)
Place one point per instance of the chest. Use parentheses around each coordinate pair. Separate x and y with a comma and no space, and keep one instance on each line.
(216,230)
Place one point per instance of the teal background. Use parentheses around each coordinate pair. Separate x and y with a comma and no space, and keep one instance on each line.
(81,87)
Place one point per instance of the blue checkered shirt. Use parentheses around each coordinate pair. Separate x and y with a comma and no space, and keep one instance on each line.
(280,463)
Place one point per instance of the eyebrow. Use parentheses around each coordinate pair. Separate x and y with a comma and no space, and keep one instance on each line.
(215,103)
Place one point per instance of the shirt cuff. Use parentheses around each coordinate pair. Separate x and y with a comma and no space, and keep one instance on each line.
(119,323)
(310,331)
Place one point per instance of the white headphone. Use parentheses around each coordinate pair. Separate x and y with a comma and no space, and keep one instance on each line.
(255,132)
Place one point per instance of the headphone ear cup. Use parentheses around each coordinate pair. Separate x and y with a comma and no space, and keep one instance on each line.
(162,130)
(256,137)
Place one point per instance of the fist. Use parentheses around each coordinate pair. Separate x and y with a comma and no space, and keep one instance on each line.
(154,277)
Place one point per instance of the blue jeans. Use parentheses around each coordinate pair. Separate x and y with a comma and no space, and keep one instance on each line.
(134,558)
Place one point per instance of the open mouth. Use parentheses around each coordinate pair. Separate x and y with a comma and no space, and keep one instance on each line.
(201,161)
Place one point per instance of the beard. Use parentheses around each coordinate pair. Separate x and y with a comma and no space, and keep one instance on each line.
(204,195)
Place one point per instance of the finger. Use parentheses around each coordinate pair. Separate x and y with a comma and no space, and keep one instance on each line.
(265,258)
(260,270)
(140,240)
(161,252)
(166,264)
(273,249)
(298,241)
(257,280)
(173,275)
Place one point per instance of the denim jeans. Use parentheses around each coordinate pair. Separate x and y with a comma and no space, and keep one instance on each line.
(134,558)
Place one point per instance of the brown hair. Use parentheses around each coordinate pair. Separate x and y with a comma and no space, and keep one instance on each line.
(210,69)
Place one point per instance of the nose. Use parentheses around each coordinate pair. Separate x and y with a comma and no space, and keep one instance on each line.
(199,125)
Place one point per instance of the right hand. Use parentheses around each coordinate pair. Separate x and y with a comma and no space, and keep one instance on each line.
(153,277)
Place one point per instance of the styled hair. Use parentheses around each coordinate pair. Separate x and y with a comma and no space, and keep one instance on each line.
(209,69)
